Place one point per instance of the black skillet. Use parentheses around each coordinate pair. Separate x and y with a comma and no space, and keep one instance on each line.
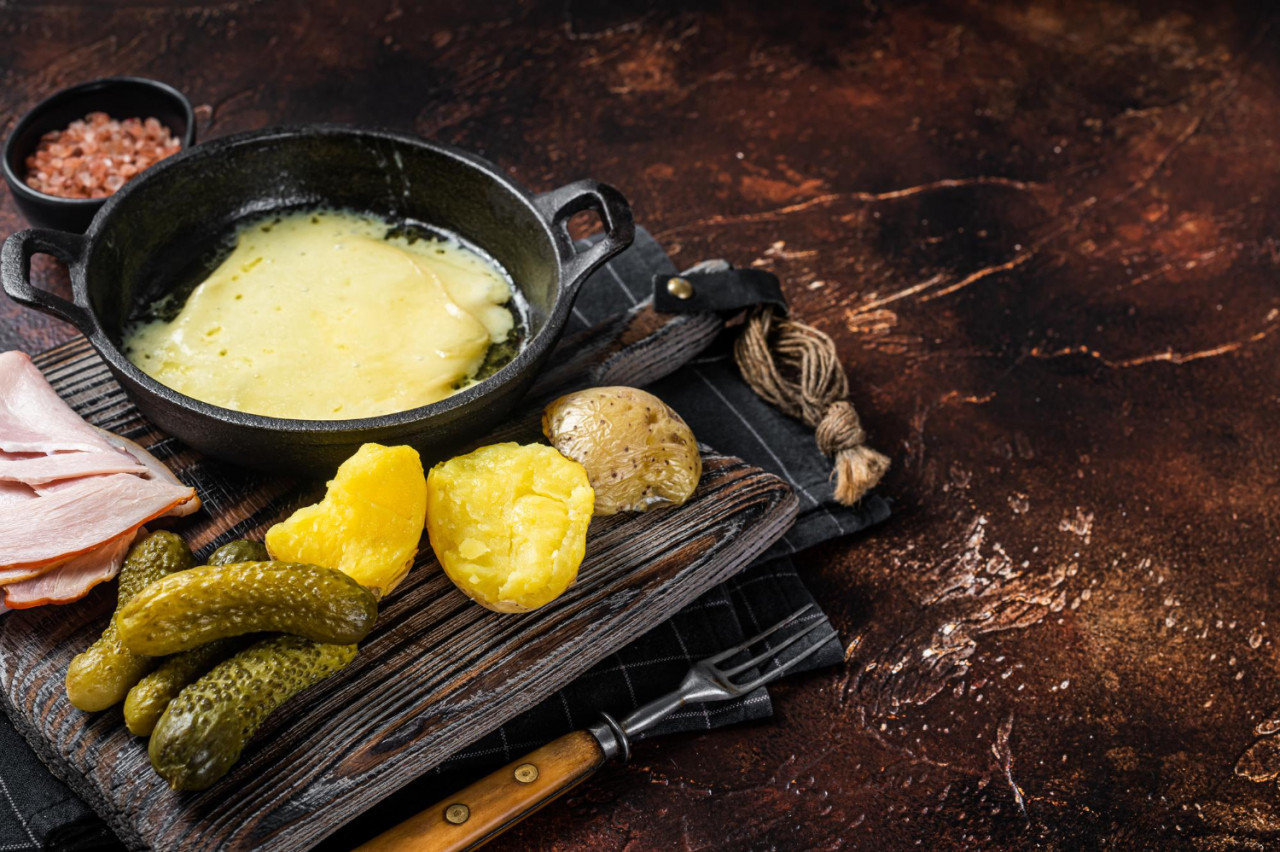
(155,228)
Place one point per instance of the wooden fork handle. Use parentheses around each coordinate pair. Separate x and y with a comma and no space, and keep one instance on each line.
(479,813)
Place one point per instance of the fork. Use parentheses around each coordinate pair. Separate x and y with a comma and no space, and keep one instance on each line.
(479,813)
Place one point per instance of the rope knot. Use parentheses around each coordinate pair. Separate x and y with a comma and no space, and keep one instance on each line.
(840,429)
(817,395)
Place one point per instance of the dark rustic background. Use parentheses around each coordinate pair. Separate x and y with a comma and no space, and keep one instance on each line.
(1044,235)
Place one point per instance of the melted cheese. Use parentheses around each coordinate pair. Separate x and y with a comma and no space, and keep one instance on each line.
(319,316)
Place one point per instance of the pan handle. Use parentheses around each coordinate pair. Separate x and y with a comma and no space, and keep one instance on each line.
(15,272)
(558,205)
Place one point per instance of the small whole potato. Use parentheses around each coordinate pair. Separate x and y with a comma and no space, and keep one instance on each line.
(638,453)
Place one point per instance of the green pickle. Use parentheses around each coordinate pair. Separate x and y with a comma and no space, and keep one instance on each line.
(149,696)
(241,550)
(102,675)
(203,731)
(186,610)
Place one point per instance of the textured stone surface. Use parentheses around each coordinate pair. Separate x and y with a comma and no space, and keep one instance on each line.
(1044,234)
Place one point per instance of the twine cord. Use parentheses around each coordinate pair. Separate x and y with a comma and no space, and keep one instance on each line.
(795,368)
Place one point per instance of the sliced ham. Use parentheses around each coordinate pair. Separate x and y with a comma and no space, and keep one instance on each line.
(68,518)
(39,468)
(72,580)
(13,495)
(72,497)
(33,418)
(27,572)
(157,469)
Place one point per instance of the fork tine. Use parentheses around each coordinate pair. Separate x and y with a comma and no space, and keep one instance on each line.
(742,646)
(780,670)
(776,650)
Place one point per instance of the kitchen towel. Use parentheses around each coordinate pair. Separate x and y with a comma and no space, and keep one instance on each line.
(38,812)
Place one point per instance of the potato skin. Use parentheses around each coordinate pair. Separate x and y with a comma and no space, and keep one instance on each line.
(508,523)
(638,452)
(497,606)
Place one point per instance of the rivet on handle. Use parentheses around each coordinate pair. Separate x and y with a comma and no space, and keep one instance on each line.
(457,814)
(526,773)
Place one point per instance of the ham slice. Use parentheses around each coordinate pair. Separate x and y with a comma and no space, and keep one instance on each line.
(40,469)
(72,497)
(67,518)
(156,469)
(71,580)
(14,494)
(33,418)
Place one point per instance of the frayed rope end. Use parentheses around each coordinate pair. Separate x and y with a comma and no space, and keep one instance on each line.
(857,471)
(857,467)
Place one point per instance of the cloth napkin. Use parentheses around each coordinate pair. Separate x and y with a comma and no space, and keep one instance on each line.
(38,812)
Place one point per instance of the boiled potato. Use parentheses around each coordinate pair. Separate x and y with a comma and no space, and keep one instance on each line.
(369,523)
(509,523)
(637,451)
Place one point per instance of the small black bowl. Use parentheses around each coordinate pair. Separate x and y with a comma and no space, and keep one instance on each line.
(118,97)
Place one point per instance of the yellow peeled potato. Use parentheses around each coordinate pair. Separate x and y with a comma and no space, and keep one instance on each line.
(509,523)
(369,523)
(639,454)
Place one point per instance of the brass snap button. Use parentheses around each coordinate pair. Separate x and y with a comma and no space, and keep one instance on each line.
(681,288)
(457,814)
(526,773)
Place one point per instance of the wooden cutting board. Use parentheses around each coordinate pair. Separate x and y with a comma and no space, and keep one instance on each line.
(438,672)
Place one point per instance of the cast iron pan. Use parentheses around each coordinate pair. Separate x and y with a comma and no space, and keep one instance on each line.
(152,230)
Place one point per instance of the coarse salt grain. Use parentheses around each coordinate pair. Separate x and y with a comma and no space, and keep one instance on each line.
(96,155)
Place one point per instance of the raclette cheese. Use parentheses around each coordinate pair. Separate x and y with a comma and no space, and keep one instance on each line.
(324,316)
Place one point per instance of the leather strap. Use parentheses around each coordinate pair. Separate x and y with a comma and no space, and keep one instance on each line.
(716,287)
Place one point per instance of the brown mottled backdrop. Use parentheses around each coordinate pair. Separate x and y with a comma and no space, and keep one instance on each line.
(1044,235)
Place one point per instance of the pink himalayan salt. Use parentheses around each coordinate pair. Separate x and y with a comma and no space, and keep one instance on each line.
(96,155)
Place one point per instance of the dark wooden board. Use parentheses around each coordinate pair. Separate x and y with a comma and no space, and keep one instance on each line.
(438,673)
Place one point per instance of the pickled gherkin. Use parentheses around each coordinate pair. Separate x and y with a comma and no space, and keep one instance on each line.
(150,696)
(186,610)
(240,550)
(101,675)
(203,731)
